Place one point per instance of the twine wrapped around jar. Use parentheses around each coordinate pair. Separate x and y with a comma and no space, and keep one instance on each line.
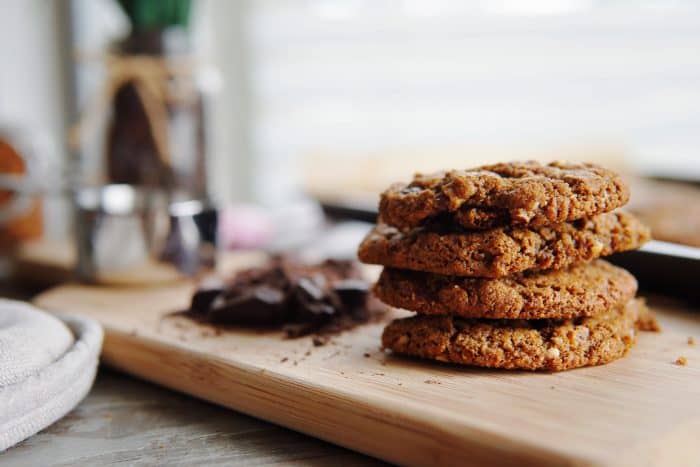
(158,82)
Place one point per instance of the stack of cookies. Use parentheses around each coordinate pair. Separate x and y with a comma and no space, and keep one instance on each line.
(500,263)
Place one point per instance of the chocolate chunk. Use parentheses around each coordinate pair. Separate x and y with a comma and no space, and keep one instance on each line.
(305,298)
(209,289)
(352,292)
(309,289)
(202,300)
(261,305)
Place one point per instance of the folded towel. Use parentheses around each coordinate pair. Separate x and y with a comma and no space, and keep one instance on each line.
(47,366)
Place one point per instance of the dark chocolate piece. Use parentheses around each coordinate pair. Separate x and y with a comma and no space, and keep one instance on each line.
(261,305)
(208,290)
(305,298)
(352,292)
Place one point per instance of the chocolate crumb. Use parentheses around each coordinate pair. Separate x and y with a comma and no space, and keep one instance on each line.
(319,341)
(284,360)
(366,355)
(308,353)
(691,340)
(432,381)
(682,361)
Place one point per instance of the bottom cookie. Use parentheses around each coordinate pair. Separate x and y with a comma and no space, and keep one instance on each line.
(544,344)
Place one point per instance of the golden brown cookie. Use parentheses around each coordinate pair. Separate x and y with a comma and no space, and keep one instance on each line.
(505,250)
(515,193)
(584,289)
(552,345)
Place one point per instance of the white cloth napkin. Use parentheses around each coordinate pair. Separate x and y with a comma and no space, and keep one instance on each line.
(47,366)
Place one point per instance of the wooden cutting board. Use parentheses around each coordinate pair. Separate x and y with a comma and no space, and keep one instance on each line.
(641,410)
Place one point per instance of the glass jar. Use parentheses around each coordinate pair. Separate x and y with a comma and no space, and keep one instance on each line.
(156,136)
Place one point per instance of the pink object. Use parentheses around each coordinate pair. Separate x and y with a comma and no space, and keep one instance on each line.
(244,226)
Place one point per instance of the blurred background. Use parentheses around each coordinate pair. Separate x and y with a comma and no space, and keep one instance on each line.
(269,106)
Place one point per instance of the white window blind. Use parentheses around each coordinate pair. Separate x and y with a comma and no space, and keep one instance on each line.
(354,75)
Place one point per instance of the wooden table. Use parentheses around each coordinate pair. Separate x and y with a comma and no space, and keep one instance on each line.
(125,421)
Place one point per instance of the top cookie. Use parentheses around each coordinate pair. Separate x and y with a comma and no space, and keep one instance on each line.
(515,193)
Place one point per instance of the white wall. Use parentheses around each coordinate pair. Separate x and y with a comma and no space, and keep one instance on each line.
(354,75)
(31,85)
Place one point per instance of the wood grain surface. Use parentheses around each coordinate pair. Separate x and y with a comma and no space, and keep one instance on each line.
(641,410)
(124,421)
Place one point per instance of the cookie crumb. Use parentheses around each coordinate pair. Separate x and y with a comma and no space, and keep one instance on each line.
(284,360)
(308,353)
(682,361)
(647,321)
(432,381)
(691,340)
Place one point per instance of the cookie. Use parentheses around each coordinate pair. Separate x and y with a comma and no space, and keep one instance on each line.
(515,193)
(584,289)
(552,345)
(505,250)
